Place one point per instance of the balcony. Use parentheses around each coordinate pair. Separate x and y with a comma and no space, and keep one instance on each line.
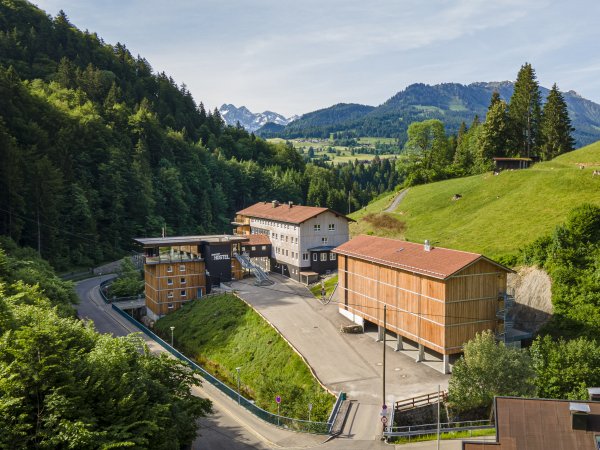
(169,258)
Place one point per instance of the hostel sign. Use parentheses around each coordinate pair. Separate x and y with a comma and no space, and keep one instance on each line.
(220,256)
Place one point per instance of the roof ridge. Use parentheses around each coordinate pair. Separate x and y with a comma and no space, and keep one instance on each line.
(417,243)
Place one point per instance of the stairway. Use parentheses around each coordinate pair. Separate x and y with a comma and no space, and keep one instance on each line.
(262,279)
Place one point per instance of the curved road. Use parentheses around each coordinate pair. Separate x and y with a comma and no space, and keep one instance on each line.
(224,429)
(229,427)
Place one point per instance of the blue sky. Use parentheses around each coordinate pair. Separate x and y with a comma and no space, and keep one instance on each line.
(296,56)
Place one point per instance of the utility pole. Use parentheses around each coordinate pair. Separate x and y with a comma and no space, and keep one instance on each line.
(384,325)
(438,419)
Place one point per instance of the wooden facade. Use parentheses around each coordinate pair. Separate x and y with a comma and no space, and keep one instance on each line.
(241,225)
(179,269)
(169,285)
(441,314)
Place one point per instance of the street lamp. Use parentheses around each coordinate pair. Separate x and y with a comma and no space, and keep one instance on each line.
(172,329)
(238,379)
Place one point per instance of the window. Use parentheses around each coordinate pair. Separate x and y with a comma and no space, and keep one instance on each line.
(317,227)
(323,256)
(253,248)
(170,306)
(169,268)
(182,280)
(286,238)
(264,247)
(183,293)
(182,268)
(243,249)
(170,294)
(286,252)
(304,256)
(332,227)
(332,256)
(315,256)
(169,281)
(324,240)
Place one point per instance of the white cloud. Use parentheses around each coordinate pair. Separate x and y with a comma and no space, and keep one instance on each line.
(294,56)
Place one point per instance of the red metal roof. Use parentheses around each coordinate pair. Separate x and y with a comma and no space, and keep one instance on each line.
(284,212)
(437,263)
(257,239)
(539,424)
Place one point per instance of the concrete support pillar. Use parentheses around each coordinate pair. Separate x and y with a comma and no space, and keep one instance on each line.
(380,332)
(421,353)
(399,343)
(445,363)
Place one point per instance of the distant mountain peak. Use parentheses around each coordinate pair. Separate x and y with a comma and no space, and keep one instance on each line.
(249,120)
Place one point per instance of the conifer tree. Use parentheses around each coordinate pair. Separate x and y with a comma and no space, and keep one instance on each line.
(462,130)
(525,111)
(494,134)
(555,128)
(495,99)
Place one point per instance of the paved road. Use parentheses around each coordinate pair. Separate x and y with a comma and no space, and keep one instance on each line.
(233,428)
(230,427)
(351,363)
(394,205)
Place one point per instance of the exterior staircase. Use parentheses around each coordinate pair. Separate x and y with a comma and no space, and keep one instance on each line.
(262,279)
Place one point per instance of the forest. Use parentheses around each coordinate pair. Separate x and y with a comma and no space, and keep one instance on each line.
(64,385)
(96,148)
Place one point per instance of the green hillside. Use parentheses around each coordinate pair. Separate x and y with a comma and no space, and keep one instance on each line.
(496,215)
(222,333)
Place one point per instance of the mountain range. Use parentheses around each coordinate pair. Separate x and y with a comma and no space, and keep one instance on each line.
(249,120)
(452,103)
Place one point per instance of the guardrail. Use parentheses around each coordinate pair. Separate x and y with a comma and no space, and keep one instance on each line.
(421,400)
(305,426)
(103,287)
(431,428)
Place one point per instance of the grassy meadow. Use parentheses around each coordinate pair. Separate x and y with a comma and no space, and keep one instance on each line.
(320,147)
(496,215)
(222,333)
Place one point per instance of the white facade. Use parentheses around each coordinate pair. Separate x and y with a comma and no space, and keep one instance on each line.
(291,242)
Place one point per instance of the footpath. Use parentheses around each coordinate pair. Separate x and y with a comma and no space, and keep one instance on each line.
(351,363)
(231,427)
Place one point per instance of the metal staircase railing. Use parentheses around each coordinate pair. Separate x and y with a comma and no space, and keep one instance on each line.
(262,278)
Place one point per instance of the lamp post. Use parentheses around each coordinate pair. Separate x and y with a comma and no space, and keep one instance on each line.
(238,380)
(172,329)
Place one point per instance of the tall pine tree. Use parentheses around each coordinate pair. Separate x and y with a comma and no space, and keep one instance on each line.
(525,112)
(555,128)
(494,134)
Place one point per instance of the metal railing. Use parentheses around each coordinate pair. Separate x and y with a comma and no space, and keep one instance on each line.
(171,258)
(104,289)
(431,428)
(421,400)
(305,426)
(261,277)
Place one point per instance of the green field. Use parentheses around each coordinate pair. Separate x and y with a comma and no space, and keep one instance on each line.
(496,215)
(320,147)
(222,333)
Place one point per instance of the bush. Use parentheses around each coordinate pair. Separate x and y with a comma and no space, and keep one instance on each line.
(130,282)
(488,369)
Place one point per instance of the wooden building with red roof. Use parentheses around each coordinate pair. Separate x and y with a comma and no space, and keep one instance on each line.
(542,424)
(438,298)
